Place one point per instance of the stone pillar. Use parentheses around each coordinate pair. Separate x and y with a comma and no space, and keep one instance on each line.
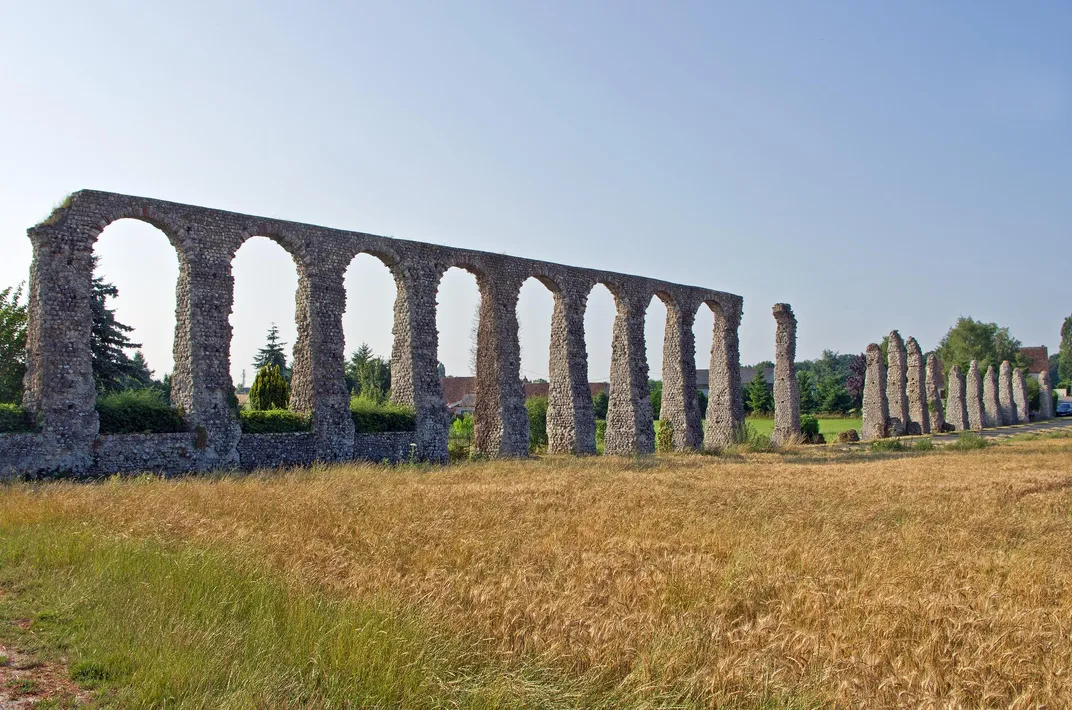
(876,408)
(500,420)
(957,412)
(630,429)
(991,407)
(896,379)
(414,356)
(571,421)
(1019,396)
(201,381)
(680,405)
(973,397)
(1006,406)
(786,390)
(318,380)
(918,420)
(1045,395)
(59,388)
(725,408)
(934,395)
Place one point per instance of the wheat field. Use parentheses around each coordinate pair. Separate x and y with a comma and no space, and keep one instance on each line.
(800,579)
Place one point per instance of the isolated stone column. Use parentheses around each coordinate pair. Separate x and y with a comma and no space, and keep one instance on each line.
(1019,396)
(415,356)
(725,408)
(991,407)
(786,389)
(934,395)
(876,408)
(918,419)
(680,405)
(957,412)
(630,427)
(571,421)
(500,420)
(1006,406)
(973,397)
(896,382)
(59,388)
(1045,395)
(318,380)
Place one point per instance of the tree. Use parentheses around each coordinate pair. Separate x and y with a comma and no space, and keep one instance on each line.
(600,403)
(988,343)
(441,370)
(272,354)
(1055,364)
(702,400)
(759,398)
(367,375)
(270,389)
(1064,364)
(113,369)
(854,383)
(655,394)
(833,397)
(140,376)
(809,400)
(12,344)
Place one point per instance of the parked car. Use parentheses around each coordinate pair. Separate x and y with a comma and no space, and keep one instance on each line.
(1064,409)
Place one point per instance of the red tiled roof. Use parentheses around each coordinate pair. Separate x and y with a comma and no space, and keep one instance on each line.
(1038,358)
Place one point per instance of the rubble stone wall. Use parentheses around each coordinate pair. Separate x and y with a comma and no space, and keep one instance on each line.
(973,397)
(896,384)
(876,408)
(935,386)
(1019,396)
(1006,405)
(918,420)
(957,411)
(59,388)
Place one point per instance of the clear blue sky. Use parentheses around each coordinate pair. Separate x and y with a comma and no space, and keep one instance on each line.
(878,165)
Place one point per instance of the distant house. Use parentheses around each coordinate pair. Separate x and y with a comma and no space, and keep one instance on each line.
(459,393)
(1038,359)
(747,375)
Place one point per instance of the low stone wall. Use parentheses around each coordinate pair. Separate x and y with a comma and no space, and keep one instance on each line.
(392,447)
(273,450)
(19,453)
(156,453)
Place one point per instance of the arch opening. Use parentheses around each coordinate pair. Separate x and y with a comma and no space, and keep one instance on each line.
(368,324)
(266,281)
(535,311)
(134,305)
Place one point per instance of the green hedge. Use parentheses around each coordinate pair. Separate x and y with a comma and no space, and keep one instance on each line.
(141,411)
(273,421)
(15,418)
(371,417)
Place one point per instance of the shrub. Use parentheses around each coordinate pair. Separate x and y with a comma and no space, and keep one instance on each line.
(969,440)
(601,434)
(848,436)
(371,417)
(887,445)
(664,436)
(537,410)
(809,428)
(273,421)
(460,440)
(270,391)
(924,445)
(15,418)
(138,411)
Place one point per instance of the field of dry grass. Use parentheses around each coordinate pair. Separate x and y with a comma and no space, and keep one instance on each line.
(769,580)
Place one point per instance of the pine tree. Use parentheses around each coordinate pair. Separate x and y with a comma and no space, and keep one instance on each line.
(272,354)
(759,398)
(112,367)
(270,389)
(809,400)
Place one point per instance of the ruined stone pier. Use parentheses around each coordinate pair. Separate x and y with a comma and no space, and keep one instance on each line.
(60,395)
(786,389)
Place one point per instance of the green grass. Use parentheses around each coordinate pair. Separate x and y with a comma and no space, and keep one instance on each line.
(150,625)
(828,427)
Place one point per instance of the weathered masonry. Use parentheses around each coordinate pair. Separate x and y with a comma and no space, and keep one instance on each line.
(59,388)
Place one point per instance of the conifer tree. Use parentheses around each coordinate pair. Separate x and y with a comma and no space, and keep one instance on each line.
(759,398)
(112,367)
(272,354)
(270,390)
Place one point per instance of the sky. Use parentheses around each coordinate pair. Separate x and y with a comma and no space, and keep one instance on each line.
(877,165)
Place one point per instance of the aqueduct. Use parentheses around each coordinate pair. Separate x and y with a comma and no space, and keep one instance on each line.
(59,389)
